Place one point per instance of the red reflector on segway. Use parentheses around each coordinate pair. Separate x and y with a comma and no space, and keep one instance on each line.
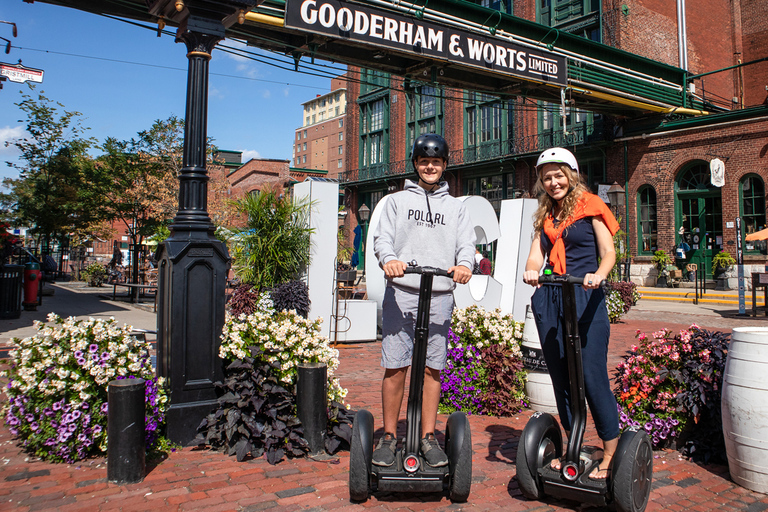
(411,464)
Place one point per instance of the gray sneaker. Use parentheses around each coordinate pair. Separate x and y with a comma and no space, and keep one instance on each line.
(384,454)
(432,453)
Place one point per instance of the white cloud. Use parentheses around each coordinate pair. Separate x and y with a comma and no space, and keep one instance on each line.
(250,154)
(8,134)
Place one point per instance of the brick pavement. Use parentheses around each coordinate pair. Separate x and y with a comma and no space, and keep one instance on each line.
(192,479)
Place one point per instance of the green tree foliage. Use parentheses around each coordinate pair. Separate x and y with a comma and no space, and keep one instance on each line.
(54,193)
(273,247)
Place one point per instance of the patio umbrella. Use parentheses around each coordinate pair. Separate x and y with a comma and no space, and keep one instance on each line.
(758,235)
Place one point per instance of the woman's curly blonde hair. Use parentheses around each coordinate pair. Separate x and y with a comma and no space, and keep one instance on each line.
(547,204)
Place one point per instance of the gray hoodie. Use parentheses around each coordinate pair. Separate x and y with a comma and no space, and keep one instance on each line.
(432,228)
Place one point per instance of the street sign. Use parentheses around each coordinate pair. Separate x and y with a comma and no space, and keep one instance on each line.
(20,74)
(364,24)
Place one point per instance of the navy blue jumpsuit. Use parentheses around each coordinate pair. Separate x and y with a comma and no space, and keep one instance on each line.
(581,258)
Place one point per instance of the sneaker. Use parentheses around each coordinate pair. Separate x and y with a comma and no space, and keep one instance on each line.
(384,454)
(432,453)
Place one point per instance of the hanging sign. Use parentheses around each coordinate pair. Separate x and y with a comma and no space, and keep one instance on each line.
(20,74)
(382,28)
(717,170)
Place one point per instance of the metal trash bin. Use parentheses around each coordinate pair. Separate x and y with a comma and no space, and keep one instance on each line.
(10,291)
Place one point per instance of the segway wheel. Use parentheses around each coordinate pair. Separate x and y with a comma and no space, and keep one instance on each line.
(540,442)
(458,446)
(633,474)
(360,454)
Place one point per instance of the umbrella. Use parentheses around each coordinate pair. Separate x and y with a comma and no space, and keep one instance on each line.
(758,235)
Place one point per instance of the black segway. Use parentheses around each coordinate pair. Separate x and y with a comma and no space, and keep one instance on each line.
(410,473)
(629,485)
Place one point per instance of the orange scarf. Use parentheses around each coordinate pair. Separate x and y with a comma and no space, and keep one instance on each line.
(588,205)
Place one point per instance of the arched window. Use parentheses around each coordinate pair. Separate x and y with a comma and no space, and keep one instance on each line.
(752,192)
(646,220)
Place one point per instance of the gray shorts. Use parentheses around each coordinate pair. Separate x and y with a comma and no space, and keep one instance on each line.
(398,328)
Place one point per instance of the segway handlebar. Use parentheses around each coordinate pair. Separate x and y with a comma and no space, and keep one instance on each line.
(413,268)
(567,278)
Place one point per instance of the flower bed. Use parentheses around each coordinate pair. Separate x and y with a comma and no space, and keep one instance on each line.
(256,414)
(484,370)
(670,383)
(621,296)
(58,383)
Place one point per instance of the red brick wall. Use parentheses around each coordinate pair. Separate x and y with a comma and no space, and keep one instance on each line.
(258,173)
(754,20)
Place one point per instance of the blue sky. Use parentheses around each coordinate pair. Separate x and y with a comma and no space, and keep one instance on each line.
(122,78)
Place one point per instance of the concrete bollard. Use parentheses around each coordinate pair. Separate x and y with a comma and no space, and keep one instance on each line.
(312,403)
(125,431)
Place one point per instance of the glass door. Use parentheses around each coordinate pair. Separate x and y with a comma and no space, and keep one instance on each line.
(701,228)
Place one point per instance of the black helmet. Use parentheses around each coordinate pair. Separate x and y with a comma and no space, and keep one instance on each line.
(430,145)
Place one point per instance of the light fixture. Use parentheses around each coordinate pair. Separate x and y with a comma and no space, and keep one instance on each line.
(364,212)
(616,195)
(379,55)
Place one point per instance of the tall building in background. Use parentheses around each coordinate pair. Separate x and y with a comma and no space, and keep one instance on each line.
(663,159)
(319,144)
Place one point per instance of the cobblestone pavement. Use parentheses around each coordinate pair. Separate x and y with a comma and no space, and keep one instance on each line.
(191,479)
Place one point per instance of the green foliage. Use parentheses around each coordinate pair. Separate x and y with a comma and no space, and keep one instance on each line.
(273,247)
(661,260)
(722,262)
(94,274)
(55,191)
(621,296)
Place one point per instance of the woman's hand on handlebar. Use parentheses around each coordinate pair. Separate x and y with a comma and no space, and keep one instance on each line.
(394,268)
(592,281)
(461,274)
(531,277)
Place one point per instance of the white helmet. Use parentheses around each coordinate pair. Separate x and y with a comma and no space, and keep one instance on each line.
(558,156)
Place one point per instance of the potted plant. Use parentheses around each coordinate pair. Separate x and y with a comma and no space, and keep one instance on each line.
(661,260)
(721,263)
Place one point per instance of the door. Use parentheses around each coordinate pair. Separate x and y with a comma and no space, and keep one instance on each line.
(700,220)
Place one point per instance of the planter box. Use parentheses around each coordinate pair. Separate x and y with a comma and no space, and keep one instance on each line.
(676,274)
(346,276)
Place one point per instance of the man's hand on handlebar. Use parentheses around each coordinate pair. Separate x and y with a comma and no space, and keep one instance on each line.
(394,268)
(461,274)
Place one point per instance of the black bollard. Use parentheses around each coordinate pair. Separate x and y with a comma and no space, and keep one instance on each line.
(125,431)
(312,403)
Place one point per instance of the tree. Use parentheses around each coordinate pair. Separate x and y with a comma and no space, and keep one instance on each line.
(53,194)
(273,247)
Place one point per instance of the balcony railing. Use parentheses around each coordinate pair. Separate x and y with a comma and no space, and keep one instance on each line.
(483,152)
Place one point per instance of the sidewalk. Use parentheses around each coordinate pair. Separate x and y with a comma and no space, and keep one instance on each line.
(201,479)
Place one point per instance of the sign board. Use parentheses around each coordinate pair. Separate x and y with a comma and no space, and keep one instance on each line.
(365,24)
(20,74)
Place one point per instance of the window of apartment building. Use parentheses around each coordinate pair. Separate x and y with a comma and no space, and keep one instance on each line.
(374,129)
(314,117)
(752,191)
(646,220)
(485,118)
(341,124)
(371,80)
(504,6)
(322,102)
(322,116)
(305,134)
(298,135)
(341,150)
(424,113)
(341,136)
(340,164)
(337,111)
(305,146)
(576,126)
(304,159)
(306,123)
(578,17)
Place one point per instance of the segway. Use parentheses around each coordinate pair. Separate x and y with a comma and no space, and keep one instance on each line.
(629,485)
(410,473)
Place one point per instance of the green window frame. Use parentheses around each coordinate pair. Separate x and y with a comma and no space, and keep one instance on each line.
(424,113)
(372,80)
(485,118)
(647,223)
(578,17)
(752,207)
(374,132)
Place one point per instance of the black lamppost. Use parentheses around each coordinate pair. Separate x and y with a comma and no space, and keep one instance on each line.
(193,263)
(364,213)
(616,197)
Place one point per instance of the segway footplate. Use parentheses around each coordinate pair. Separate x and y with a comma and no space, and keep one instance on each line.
(424,479)
(584,490)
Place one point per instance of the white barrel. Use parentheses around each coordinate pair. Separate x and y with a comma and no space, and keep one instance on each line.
(538,388)
(744,407)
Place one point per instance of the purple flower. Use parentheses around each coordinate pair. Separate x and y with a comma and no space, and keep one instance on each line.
(80,361)
(56,406)
(78,353)
(93,347)
(105,356)
(34,426)
(75,414)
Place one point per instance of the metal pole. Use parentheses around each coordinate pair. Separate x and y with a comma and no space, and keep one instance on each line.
(312,403)
(125,431)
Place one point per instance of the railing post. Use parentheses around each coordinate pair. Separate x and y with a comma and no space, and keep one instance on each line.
(125,431)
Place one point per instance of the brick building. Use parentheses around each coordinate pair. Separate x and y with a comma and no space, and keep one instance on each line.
(319,144)
(661,157)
